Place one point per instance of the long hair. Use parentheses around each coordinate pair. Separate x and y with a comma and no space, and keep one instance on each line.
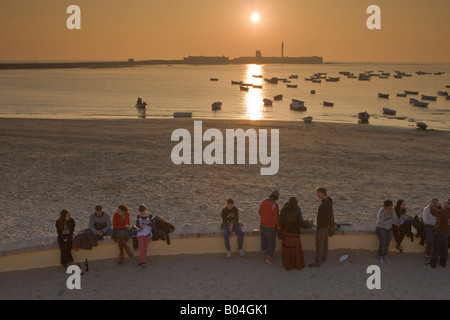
(62,218)
(398,209)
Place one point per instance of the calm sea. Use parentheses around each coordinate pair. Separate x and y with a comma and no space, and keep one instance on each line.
(112,93)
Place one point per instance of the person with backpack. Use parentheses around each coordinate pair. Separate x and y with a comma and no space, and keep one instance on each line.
(268,211)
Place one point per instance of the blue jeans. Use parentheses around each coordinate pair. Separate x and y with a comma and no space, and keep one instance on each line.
(385,236)
(226,235)
(429,236)
(440,248)
(268,240)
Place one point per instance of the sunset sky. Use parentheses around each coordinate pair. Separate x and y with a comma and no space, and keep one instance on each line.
(412,30)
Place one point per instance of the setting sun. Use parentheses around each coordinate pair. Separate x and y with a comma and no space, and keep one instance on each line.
(255,17)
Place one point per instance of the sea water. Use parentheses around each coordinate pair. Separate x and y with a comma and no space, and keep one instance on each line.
(112,93)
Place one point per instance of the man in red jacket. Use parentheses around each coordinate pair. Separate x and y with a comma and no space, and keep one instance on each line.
(268,210)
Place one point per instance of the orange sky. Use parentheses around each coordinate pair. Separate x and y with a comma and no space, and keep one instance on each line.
(412,30)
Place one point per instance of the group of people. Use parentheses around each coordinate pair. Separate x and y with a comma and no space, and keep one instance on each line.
(100,227)
(393,221)
(290,221)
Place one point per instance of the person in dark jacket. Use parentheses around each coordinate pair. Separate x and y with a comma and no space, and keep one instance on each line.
(291,220)
(230,223)
(65,227)
(440,241)
(324,223)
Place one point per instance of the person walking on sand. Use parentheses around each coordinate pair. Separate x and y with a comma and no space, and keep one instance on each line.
(121,227)
(429,222)
(230,223)
(440,241)
(325,218)
(291,220)
(144,234)
(65,227)
(384,230)
(268,211)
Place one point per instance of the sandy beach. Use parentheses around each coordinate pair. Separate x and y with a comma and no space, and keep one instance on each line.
(213,277)
(47,165)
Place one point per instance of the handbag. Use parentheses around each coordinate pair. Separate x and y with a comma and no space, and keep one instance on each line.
(281,234)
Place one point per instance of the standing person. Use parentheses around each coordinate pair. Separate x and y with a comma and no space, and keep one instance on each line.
(384,230)
(144,234)
(430,224)
(65,227)
(121,227)
(100,223)
(325,218)
(291,220)
(401,226)
(440,241)
(268,211)
(230,223)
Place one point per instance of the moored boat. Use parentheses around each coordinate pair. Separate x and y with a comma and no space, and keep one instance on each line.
(307,119)
(389,111)
(291,85)
(421,125)
(278,97)
(383,95)
(297,106)
(424,97)
(328,104)
(182,114)
(364,116)
(267,102)
(411,92)
(216,105)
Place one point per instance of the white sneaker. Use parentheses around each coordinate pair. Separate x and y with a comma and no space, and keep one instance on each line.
(229,254)
(241,252)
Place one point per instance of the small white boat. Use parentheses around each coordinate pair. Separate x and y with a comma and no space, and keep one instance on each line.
(297,106)
(422,125)
(182,114)
(267,102)
(307,119)
(216,105)
(364,116)
(389,111)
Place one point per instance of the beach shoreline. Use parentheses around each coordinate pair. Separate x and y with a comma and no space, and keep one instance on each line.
(52,164)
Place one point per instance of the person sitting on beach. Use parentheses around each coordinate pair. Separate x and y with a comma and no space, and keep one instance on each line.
(430,224)
(230,223)
(291,220)
(384,230)
(121,227)
(325,218)
(144,234)
(440,241)
(65,227)
(401,225)
(268,211)
(100,223)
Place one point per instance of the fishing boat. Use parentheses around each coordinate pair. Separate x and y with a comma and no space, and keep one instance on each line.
(272,80)
(418,103)
(313,91)
(331,79)
(316,80)
(442,93)
(257,86)
(267,102)
(293,76)
(363,116)
(182,114)
(389,111)
(383,95)
(236,82)
(216,105)
(328,104)
(298,101)
(243,88)
(424,97)
(421,125)
(411,92)
(297,106)
(214,79)
(401,94)
(257,76)
(291,85)
(307,119)
(278,97)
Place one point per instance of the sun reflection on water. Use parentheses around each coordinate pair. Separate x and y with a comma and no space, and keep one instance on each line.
(253,101)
